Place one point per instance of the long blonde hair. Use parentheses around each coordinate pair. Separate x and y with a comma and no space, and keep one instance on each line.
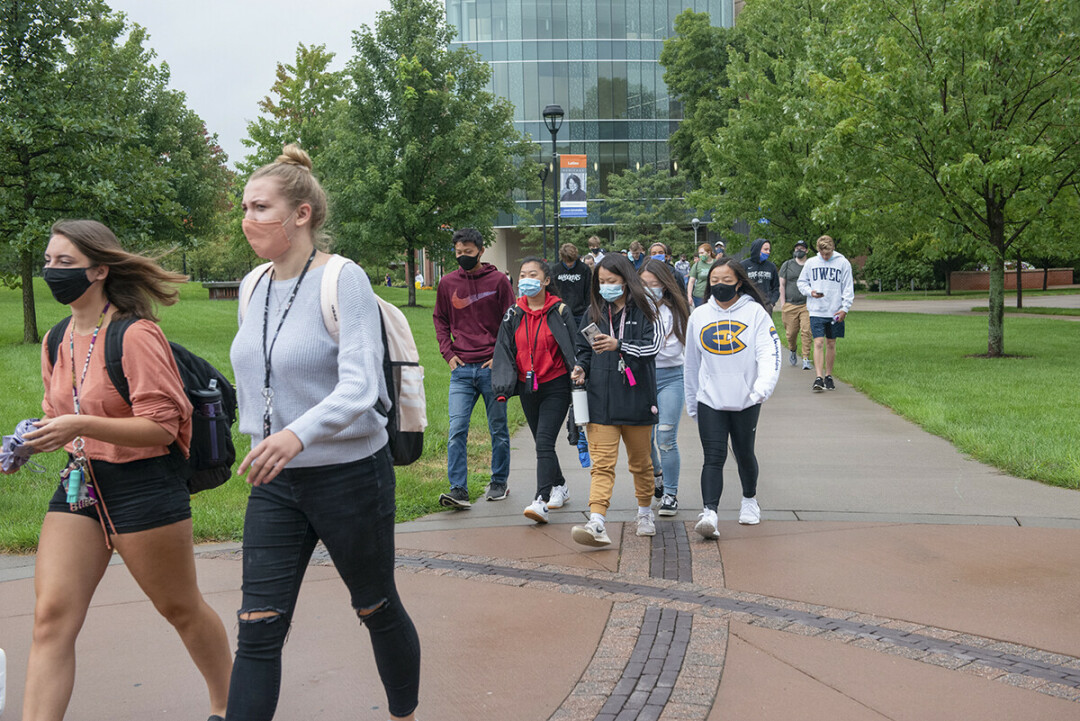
(135,283)
(293,171)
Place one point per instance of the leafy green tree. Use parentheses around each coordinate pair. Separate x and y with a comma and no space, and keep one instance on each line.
(421,146)
(695,60)
(760,160)
(306,91)
(647,205)
(88,128)
(964,112)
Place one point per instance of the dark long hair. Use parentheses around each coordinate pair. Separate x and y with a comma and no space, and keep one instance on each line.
(674,297)
(633,288)
(135,283)
(746,286)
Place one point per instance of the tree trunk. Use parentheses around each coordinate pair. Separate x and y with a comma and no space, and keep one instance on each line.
(410,271)
(26,275)
(948,282)
(1019,281)
(1046,273)
(996,339)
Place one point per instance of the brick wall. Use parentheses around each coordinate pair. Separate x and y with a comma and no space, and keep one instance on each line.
(1033,279)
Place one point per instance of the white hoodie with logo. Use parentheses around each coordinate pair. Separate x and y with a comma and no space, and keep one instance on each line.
(831,277)
(732,356)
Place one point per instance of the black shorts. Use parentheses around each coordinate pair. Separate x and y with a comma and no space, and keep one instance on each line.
(139,495)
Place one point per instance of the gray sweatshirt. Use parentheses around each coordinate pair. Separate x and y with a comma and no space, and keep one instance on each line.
(324,392)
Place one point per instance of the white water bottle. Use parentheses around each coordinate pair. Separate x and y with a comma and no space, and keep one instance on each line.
(580,398)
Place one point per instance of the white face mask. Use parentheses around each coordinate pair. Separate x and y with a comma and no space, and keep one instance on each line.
(656,293)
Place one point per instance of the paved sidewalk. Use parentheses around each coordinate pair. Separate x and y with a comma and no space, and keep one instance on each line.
(890,578)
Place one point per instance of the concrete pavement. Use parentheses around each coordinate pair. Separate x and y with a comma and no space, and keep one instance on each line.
(890,578)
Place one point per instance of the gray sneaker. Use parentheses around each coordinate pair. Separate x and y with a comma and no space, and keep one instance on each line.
(793,357)
(669,505)
(646,525)
(497,491)
(458,497)
(806,365)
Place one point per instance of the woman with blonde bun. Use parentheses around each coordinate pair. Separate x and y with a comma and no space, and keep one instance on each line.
(319,465)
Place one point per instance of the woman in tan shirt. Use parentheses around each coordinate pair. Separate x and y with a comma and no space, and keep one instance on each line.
(139,494)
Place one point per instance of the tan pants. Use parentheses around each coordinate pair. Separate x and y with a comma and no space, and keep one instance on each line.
(796,319)
(604,451)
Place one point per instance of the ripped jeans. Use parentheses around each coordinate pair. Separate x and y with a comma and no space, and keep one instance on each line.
(665,446)
(350,507)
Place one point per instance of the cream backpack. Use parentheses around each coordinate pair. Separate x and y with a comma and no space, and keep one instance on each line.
(406,419)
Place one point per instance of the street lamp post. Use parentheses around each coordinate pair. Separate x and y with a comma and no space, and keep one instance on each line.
(695,222)
(543,206)
(553,117)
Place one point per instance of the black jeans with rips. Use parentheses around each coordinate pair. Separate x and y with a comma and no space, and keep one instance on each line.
(350,508)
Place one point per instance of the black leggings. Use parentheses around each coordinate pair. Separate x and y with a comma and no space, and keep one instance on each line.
(714,428)
(545,410)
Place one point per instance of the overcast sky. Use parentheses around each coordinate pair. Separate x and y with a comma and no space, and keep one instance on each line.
(223,53)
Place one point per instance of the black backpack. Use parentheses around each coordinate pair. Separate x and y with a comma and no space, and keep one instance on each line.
(213,397)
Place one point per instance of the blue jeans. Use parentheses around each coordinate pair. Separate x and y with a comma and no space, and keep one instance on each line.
(350,507)
(665,445)
(467,384)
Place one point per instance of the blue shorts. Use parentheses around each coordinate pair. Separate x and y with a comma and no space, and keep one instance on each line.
(826,328)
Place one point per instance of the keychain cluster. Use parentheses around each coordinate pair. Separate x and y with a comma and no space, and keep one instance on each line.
(76,477)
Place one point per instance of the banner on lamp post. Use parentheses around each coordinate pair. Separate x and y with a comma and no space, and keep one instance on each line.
(573,190)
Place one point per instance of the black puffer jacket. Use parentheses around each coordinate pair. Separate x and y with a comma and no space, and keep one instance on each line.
(763,273)
(504,372)
(612,400)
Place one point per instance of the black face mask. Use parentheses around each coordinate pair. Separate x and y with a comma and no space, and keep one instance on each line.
(468,262)
(723,292)
(800,253)
(67,284)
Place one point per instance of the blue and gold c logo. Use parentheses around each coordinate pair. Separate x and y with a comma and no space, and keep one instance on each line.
(722,338)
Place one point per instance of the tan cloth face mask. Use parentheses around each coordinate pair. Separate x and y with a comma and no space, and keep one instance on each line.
(268,238)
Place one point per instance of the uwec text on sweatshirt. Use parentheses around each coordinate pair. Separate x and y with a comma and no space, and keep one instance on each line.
(324,391)
(732,356)
(831,277)
(468,311)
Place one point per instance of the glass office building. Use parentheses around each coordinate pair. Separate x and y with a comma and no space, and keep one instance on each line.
(599,60)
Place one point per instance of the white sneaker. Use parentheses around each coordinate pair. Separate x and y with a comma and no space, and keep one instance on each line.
(749,514)
(706,526)
(591,534)
(537,511)
(646,525)
(559,496)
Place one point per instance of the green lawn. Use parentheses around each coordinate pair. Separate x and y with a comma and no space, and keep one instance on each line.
(1034,310)
(207,328)
(1010,295)
(1018,414)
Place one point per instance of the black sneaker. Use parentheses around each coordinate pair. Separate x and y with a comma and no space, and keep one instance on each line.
(829,385)
(658,486)
(457,498)
(819,385)
(669,505)
(497,491)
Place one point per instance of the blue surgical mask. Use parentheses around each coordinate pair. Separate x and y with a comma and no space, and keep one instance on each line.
(764,255)
(660,257)
(656,293)
(611,292)
(530,286)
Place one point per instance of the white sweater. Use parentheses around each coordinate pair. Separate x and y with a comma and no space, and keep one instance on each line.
(831,277)
(732,356)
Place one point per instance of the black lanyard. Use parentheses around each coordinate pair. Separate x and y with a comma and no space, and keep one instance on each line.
(268,392)
(536,337)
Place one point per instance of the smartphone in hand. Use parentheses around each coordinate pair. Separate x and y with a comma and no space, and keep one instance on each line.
(591,331)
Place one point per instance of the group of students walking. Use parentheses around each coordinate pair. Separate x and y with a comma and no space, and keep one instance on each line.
(642,356)
(319,465)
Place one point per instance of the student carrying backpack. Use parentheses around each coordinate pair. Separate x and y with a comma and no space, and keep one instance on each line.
(407,417)
(212,454)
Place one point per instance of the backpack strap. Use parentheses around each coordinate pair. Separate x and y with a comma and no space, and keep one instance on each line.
(247,291)
(55,337)
(328,295)
(114,355)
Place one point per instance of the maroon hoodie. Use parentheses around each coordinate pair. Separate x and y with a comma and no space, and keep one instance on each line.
(468,310)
